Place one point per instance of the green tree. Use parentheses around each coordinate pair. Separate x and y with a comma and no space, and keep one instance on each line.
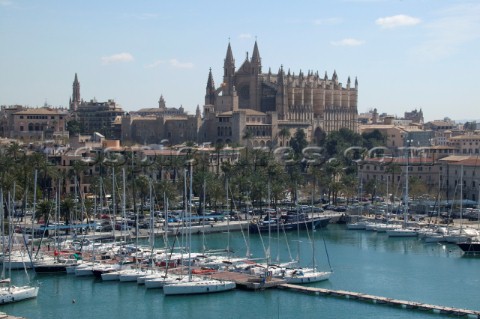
(298,142)
(73,127)
(373,139)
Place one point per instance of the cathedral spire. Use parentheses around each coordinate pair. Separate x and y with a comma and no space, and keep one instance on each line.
(229,69)
(256,60)
(210,90)
(356,83)
(210,82)
(255,54)
(281,75)
(229,56)
(197,112)
(348,83)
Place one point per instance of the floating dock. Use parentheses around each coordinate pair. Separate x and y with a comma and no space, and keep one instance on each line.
(383,300)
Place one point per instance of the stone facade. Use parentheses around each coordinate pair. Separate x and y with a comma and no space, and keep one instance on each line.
(33,124)
(94,116)
(257,105)
(158,125)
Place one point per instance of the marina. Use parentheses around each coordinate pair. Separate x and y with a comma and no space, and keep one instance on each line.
(402,272)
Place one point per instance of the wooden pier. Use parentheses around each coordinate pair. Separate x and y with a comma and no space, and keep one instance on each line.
(383,300)
(246,281)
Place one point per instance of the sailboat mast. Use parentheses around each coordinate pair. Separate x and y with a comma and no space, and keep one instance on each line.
(405,214)
(123,197)
(114,207)
(152,234)
(228,221)
(2,229)
(190,224)
(313,223)
(34,208)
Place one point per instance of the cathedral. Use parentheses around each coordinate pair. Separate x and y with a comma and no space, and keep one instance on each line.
(251,106)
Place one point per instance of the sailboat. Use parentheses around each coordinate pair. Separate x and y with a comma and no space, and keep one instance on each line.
(8,292)
(404,231)
(191,286)
(301,275)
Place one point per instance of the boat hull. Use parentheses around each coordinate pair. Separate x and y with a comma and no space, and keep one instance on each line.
(15,294)
(50,268)
(319,222)
(470,248)
(309,277)
(202,287)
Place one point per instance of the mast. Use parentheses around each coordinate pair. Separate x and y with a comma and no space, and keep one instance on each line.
(228,222)
(34,208)
(2,220)
(114,204)
(461,198)
(123,198)
(190,224)
(152,233)
(405,213)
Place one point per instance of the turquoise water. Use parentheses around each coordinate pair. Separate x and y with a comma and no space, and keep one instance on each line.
(367,262)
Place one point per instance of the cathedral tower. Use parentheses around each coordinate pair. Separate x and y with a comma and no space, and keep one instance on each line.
(75,100)
(229,72)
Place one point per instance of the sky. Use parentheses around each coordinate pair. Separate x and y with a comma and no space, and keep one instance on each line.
(406,54)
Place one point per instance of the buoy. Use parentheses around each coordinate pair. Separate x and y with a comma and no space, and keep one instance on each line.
(74,301)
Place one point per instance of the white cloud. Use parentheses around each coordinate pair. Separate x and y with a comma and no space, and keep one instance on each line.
(349,42)
(399,20)
(5,3)
(172,62)
(182,65)
(155,64)
(245,36)
(119,57)
(455,28)
(327,21)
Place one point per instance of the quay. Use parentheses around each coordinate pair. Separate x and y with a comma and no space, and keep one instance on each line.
(383,300)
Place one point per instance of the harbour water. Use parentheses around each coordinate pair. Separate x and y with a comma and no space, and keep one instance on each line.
(367,262)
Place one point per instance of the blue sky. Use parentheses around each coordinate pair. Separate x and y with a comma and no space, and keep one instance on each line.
(406,54)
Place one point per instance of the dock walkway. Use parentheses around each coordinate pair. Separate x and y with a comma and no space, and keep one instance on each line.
(383,300)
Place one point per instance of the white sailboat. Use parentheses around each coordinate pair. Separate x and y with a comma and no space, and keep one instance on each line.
(404,231)
(8,292)
(191,286)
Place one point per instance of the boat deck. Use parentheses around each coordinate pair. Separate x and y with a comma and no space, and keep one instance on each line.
(5,316)
(383,300)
